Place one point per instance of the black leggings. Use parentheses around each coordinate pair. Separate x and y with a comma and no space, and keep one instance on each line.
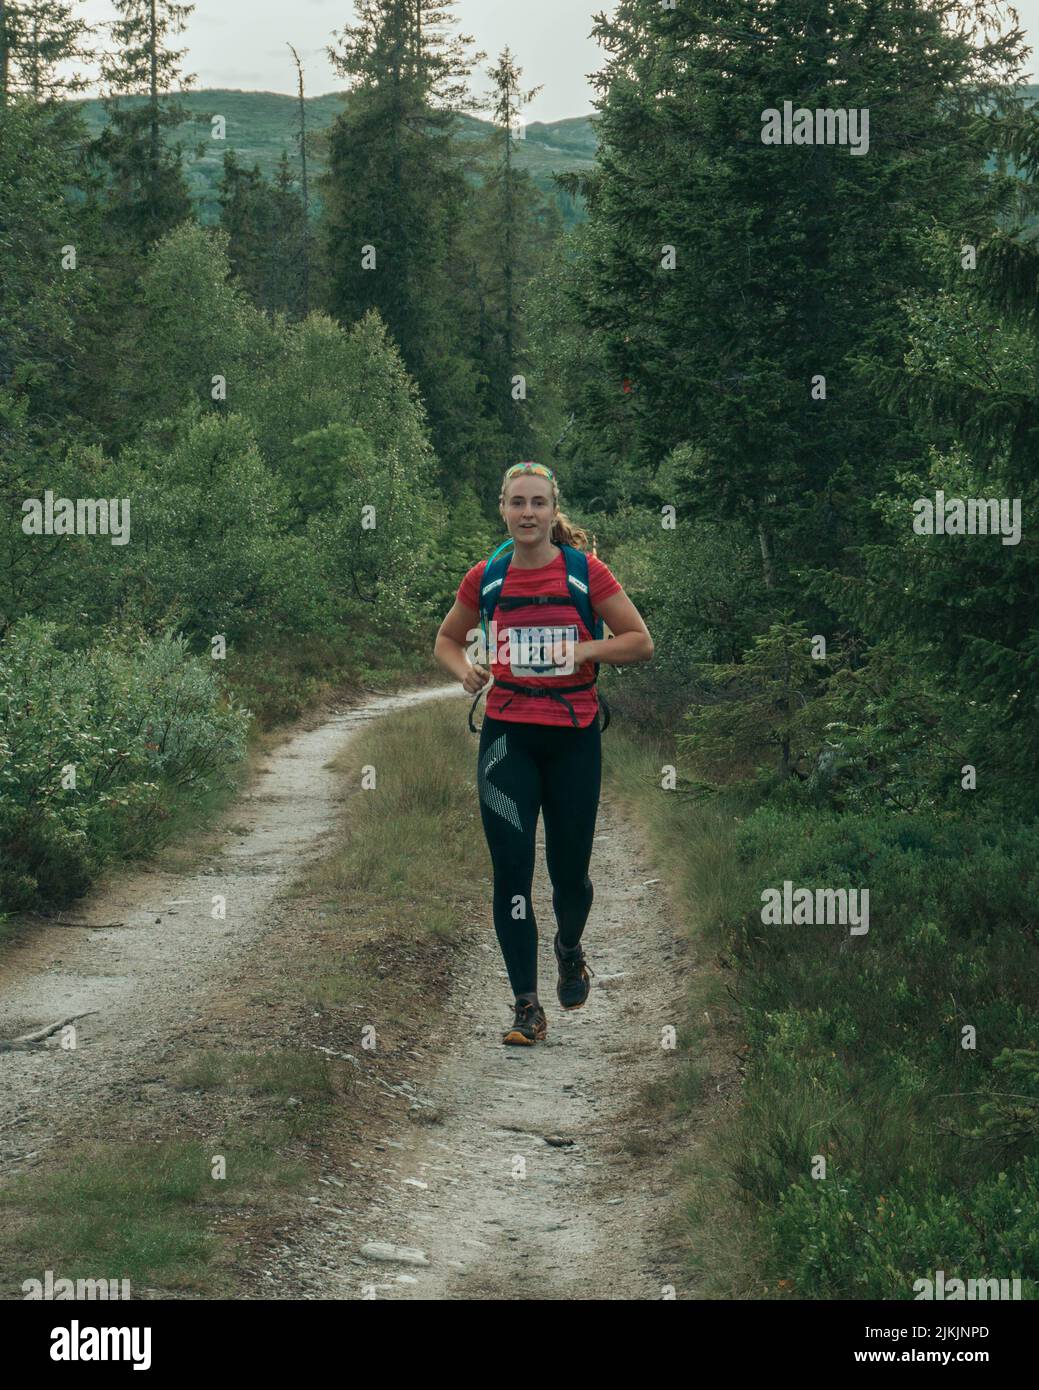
(524,769)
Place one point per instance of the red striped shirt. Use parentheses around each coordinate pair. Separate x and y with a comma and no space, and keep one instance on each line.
(549,579)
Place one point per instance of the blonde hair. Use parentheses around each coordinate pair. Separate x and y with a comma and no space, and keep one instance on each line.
(564,531)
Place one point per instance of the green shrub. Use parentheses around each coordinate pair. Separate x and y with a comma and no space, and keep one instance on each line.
(838,1237)
(904,1057)
(141,726)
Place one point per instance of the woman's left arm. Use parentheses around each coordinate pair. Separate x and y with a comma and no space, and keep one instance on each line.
(631,641)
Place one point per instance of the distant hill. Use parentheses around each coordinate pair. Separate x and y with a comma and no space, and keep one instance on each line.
(260,125)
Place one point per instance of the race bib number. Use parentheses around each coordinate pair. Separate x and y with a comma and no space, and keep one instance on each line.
(540,651)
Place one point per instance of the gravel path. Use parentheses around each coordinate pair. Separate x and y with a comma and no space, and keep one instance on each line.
(153,974)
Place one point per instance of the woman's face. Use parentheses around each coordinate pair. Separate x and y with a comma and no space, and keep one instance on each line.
(528,509)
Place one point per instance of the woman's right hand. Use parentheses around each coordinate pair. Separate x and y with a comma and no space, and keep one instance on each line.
(475,679)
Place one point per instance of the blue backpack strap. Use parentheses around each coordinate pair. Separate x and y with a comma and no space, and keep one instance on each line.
(491,581)
(491,584)
(577,579)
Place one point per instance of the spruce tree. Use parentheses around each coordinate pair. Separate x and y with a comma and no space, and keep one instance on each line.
(739,286)
(512,230)
(37,38)
(396,184)
(147,193)
(41,216)
(265,223)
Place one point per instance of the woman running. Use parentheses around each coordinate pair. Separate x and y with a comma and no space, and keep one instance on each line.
(542,751)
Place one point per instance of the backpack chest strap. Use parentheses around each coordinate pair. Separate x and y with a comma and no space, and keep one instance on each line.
(510,601)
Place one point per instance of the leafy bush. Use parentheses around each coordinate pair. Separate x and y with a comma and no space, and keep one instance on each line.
(840,1238)
(905,1057)
(765,711)
(140,725)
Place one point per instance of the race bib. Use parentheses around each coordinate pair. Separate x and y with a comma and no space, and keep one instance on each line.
(540,651)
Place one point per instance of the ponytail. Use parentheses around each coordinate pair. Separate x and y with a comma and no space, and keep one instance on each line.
(564,532)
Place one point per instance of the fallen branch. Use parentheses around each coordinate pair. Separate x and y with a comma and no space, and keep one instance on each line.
(89,926)
(61,922)
(27,1041)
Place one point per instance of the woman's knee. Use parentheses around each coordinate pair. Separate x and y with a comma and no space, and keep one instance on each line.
(573,888)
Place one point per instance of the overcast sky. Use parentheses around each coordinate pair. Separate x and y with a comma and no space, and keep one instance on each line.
(241,43)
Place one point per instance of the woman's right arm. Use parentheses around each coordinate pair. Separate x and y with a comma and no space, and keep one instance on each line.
(449,648)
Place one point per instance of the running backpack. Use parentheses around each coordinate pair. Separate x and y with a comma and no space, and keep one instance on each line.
(577,597)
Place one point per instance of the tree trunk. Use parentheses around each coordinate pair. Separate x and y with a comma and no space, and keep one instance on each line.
(303,186)
(768,568)
(153,88)
(4,52)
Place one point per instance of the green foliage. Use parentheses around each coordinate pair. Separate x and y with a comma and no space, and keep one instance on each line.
(208,553)
(250,520)
(143,725)
(38,299)
(396,184)
(857,1050)
(325,464)
(145,190)
(317,373)
(1011,1117)
(191,323)
(766,710)
(587,420)
(267,235)
(790,263)
(962,607)
(462,536)
(511,231)
(839,1238)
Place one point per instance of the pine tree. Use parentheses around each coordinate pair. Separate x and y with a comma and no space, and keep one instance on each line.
(265,224)
(738,286)
(512,229)
(395,183)
(41,215)
(147,193)
(37,37)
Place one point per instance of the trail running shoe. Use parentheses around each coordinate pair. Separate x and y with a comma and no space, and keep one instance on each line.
(573,984)
(529,1026)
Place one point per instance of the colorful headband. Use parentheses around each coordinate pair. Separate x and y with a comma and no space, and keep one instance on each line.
(530,468)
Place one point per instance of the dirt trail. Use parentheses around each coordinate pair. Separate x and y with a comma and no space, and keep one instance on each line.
(153,974)
(498,1211)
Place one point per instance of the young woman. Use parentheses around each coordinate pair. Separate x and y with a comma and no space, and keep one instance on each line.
(540,754)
